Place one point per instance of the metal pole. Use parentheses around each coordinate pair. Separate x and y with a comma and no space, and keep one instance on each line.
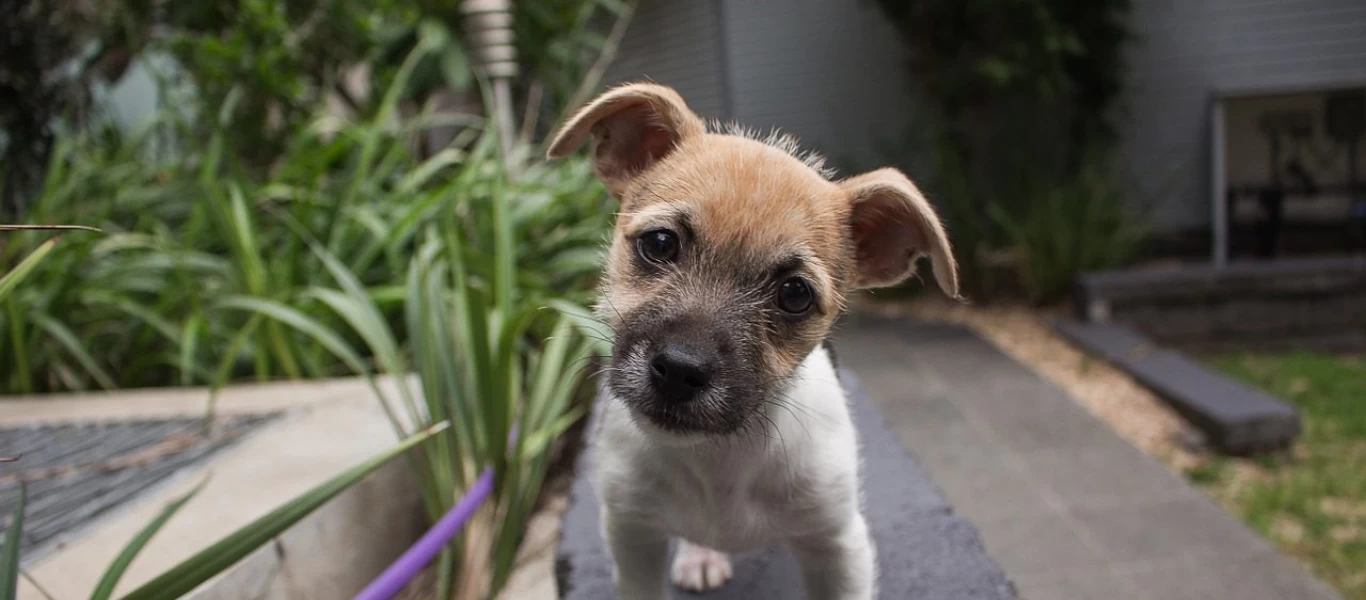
(1218,188)
(489,26)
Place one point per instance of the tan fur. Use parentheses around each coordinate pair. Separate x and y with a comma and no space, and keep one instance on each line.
(754,196)
(733,216)
(892,225)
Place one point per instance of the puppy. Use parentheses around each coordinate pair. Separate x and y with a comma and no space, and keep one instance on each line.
(724,424)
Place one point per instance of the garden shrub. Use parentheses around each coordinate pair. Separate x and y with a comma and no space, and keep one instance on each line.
(1022,100)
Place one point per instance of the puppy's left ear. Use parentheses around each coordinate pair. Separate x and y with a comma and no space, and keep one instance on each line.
(892,225)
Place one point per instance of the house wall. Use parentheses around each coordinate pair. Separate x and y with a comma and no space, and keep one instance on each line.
(676,43)
(1192,49)
(833,72)
(829,71)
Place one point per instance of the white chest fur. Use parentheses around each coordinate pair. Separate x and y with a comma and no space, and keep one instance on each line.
(798,477)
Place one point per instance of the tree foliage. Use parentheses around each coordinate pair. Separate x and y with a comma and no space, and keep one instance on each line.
(1022,98)
(274,62)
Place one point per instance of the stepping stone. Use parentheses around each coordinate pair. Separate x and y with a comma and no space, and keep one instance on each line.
(1236,418)
(924,550)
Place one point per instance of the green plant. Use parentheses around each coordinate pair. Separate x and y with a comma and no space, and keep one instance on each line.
(986,71)
(981,62)
(38,42)
(104,589)
(286,58)
(1066,229)
(343,245)
(279,61)
(144,305)
(490,358)
(9,553)
(203,565)
(1311,503)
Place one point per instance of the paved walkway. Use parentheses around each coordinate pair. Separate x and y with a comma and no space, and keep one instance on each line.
(1068,509)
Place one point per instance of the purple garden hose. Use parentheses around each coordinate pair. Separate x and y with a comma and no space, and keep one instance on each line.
(421,554)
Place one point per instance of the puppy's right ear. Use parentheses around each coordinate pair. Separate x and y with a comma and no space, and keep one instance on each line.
(634,126)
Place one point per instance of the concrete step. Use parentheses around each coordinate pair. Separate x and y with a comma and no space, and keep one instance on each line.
(1268,305)
(1235,418)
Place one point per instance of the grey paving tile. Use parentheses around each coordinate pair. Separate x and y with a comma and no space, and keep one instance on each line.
(911,404)
(925,422)
(1038,544)
(974,360)
(976,474)
(1104,476)
(911,330)
(980,483)
(1175,579)
(1026,426)
(888,462)
(1271,577)
(1261,577)
(984,504)
(1167,528)
(1016,406)
(1075,584)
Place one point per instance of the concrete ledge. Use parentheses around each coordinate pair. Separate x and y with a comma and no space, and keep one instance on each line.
(156,403)
(326,428)
(1271,305)
(924,550)
(1236,418)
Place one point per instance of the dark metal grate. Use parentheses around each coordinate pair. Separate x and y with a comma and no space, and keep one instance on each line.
(75,472)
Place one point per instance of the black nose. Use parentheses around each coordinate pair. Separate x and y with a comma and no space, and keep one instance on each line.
(680,373)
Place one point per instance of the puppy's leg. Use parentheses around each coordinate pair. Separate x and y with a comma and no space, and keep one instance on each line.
(839,566)
(640,559)
(700,569)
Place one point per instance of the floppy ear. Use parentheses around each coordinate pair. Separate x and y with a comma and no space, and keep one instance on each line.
(892,226)
(634,126)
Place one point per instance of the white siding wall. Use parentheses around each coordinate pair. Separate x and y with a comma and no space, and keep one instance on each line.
(833,72)
(1192,49)
(676,43)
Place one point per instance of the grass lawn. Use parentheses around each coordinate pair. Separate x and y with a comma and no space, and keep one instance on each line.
(1311,502)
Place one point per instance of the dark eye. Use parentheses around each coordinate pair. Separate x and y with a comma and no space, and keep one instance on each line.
(659,246)
(795,296)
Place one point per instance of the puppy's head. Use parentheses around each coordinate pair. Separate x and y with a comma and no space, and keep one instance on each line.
(732,256)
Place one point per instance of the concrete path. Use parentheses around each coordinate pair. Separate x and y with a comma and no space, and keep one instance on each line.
(1068,509)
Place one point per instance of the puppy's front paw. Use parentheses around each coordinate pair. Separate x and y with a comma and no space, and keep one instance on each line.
(699,569)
